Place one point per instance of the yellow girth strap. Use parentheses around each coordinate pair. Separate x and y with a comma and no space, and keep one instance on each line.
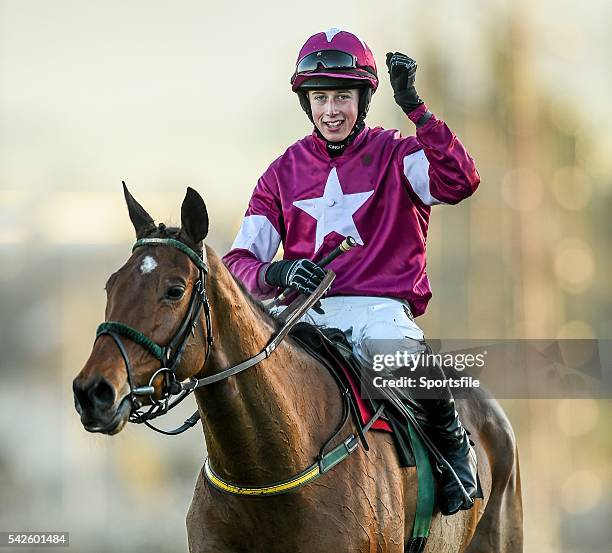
(331,459)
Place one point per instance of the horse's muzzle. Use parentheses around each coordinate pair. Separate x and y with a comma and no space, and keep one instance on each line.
(95,401)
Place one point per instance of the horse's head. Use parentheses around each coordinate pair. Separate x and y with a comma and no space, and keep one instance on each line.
(154,303)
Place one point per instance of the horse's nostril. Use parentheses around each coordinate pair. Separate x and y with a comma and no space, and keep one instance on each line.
(102,394)
(96,394)
(80,394)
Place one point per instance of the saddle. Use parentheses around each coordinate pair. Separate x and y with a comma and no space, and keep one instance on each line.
(331,347)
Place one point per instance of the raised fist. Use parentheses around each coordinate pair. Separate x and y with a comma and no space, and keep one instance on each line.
(402,73)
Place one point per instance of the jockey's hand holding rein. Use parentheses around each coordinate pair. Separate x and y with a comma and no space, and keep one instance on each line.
(302,275)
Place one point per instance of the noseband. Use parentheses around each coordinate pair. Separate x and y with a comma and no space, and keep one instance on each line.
(173,391)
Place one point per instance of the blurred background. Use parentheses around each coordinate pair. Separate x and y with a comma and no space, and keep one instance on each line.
(170,94)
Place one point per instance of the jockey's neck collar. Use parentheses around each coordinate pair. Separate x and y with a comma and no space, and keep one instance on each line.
(335,149)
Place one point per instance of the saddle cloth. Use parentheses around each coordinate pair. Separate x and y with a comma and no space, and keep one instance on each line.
(364,408)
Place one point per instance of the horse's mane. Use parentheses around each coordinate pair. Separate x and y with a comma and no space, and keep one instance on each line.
(259,306)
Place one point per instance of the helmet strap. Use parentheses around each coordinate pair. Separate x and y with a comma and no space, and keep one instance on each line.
(305,103)
(365,95)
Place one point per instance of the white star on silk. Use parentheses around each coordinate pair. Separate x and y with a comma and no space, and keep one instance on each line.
(334,210)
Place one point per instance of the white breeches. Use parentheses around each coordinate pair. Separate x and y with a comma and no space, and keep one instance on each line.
(373,325)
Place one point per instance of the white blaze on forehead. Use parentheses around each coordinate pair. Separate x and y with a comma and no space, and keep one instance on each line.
(148,264)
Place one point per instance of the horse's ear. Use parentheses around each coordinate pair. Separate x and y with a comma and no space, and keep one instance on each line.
(140,218)
(194,217)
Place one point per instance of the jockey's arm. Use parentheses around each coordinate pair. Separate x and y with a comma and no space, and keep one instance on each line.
(439,170)
(258,238)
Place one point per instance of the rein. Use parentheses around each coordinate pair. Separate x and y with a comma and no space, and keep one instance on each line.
(176,391)
(169,356)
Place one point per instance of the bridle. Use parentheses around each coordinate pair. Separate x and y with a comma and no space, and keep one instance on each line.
(173,391)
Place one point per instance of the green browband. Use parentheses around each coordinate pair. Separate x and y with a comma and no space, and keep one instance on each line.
(200,263)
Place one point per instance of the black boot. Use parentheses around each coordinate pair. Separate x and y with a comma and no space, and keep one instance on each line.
(446,431)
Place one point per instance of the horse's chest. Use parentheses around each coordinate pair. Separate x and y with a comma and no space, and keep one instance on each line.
(301,522)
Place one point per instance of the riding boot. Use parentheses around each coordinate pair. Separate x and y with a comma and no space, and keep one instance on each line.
(442,423)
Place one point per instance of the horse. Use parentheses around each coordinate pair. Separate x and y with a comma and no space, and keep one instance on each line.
(268,422)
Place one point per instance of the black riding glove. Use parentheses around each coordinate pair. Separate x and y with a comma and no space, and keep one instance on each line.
(402,72)
(302,275)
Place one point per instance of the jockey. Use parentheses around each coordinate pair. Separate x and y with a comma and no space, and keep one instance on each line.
(347,179)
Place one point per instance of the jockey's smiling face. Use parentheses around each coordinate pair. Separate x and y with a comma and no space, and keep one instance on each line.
(334,112)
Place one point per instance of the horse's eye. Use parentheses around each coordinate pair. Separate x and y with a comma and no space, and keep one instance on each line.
(175,292)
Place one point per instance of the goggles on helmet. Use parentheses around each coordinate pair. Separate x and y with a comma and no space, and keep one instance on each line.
(327,59)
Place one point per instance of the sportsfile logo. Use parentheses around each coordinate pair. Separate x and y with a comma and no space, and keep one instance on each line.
(457,361)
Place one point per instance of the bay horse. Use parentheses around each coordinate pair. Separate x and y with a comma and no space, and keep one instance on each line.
(267,423)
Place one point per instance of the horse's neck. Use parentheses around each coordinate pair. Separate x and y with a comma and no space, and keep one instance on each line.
(268,422)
